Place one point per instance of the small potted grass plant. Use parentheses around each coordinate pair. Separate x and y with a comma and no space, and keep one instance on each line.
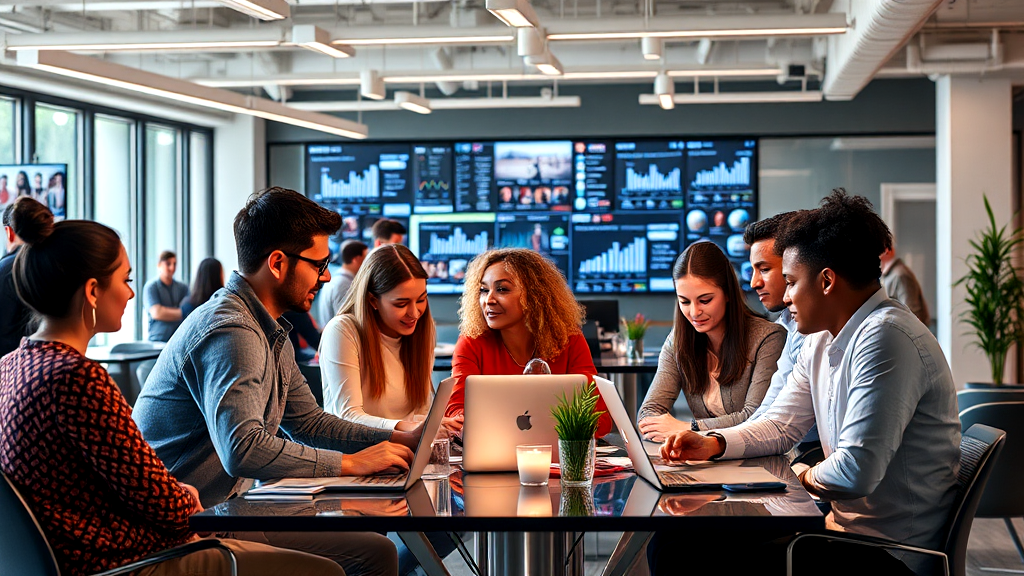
(635,331)
(575,423)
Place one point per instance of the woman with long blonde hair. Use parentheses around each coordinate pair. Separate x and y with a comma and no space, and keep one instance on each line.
(517,306)
(377,353)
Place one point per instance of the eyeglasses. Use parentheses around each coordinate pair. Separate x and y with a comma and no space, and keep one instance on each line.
(321,265)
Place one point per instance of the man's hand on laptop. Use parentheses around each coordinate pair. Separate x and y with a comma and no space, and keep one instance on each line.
(688,445)
(386,457)
(657,428)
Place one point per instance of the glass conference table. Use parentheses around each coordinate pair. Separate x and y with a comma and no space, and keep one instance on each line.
(552,517)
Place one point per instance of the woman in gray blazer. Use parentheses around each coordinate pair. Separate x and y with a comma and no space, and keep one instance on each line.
(720,355)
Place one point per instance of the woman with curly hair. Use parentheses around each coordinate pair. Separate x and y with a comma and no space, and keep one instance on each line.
(516,307)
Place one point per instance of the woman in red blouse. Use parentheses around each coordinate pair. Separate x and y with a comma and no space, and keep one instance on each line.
(67,439)
(516,307)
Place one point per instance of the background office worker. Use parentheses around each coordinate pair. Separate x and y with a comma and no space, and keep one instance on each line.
(516,307)
(208,279)
(227,385)
(332,295)
(100,493)
(719,354)
(387,231)
(901,285)
(15,316)
(875,381)
(162,298)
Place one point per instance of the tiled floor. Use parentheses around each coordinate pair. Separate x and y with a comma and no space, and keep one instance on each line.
(990,552)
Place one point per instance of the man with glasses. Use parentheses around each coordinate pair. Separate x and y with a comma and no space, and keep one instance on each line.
(227,384)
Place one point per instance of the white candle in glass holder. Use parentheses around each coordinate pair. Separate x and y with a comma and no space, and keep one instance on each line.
(534,464)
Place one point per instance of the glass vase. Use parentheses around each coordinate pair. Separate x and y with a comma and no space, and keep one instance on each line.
(576,462)
(576,501)
(635,350)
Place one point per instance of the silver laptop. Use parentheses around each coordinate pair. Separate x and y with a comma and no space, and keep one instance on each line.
(666,477)
(389,482)
(504,411)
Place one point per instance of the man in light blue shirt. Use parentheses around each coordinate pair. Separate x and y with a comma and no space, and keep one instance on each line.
(873,379)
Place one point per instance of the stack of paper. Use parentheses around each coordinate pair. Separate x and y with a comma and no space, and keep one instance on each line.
(284,491)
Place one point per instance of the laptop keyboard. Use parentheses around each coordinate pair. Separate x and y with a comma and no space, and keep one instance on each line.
(384,480)
(674,478)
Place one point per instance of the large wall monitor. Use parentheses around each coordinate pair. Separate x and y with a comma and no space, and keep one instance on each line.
(612,214)
(47,183)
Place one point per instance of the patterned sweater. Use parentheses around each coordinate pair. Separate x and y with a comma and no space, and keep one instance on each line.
(68,442)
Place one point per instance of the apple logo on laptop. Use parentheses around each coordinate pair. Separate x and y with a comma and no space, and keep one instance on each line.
(523,422)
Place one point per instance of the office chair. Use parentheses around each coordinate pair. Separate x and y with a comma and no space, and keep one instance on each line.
(24,549)
(967,398)
(1003,497)
(979,451)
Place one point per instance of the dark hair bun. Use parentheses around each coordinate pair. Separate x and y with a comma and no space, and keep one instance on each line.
(30,220)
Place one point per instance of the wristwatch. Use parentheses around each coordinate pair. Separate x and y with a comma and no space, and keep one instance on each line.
(694,426)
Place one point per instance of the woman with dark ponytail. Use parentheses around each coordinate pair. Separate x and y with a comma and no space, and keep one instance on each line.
(67,440)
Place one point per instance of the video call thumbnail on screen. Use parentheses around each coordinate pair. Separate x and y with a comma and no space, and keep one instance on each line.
(611,213)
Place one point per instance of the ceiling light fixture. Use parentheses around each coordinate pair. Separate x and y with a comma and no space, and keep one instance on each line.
(652,48)
(445,104)
(737,97)
(412,102)
(530,41)
(546,64)
(371,85)
(317,39)
(140,81)
(665,89)
(428,40)
(515,13)
(261,9)
(225,40)
(697,27)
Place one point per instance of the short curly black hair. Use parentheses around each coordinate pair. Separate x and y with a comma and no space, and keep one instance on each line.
(843,234)
(766,228)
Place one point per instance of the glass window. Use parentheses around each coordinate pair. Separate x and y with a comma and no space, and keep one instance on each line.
(8,127)
(113,202)
(57,142)
(163,204)
(199,197)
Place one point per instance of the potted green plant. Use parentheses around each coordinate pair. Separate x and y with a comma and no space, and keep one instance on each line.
(575,423)
(995,311)
(635,331)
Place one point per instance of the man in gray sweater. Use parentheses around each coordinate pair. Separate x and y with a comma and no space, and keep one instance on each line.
(227,384)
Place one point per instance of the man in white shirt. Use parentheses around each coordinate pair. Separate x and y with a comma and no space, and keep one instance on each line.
(352,254)
(873,379)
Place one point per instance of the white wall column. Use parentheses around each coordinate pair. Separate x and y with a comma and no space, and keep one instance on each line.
(973,149)
(239,169)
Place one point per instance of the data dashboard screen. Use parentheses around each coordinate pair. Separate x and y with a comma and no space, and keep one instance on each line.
(611,214)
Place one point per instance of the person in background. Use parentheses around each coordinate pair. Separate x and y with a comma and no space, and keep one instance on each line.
(5,194)
(332,295)
(719,354)
(516,307)
(769,284)
(100,494)
(304,335)
(877,384)
(38,190)
(901,285)
(377,356)
(16,318)
(387,231)
(208,279)
(162,296)
(226,403)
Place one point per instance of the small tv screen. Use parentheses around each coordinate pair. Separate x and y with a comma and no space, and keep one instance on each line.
(47,183)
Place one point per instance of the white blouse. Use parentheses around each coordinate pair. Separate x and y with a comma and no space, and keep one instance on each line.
(345,393)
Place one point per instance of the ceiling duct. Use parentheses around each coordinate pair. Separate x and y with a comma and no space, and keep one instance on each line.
(443,60)
(954,58)
(879,28)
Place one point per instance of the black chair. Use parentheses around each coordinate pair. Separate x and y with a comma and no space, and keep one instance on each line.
(972,397)
(24,549)
(313,378)
(979,451)
(1003,497)
(128,381)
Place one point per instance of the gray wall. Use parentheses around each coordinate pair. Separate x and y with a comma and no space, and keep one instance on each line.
(797,165)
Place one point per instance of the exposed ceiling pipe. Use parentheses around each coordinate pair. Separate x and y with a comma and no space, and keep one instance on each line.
(962,58)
